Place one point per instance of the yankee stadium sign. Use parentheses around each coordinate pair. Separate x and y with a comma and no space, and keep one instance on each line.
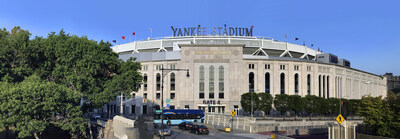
(214,31)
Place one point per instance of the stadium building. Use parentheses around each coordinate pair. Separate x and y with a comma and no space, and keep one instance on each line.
(223,67)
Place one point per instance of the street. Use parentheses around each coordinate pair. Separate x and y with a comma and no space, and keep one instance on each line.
(214,134)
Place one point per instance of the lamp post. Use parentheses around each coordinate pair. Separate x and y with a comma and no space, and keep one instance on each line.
(163,74)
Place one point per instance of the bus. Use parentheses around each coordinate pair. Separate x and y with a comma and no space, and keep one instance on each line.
(175,117)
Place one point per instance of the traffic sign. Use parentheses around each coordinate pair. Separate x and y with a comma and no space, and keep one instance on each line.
(339,119)
(167,105)
(158,111)
(168,100)
(233,113)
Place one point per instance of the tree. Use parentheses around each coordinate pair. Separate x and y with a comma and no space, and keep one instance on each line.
(6,120)
(15,55)
(265,102)
(296,103)
(322,105)
(281,102)
(334,105)
(79,63)
(35,104)
(373,109)
(245,101)
(89,69)
(311,105)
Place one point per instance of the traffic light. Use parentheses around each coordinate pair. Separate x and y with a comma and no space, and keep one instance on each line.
(344,110)
(144,100)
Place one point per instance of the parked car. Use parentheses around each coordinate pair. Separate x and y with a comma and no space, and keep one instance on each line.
(199,129)
(185,125)
(96,116)
(157,130)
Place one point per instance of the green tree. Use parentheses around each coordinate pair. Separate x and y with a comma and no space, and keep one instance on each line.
(281,102)
(374,112)
(33,105)
(265,102)
(296,103)
(245,101)
(322,105)
(16,59)
(89,69)
(6,119)
(334,105)
(79,63)
(311,105)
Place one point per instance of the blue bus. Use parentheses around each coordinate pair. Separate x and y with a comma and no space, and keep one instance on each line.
(175,117)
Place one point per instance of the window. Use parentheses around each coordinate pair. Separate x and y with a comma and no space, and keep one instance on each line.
(308,68)
(319,86)
(251,82)
(327,87)
(282,67)
(221,82)
(158,67)
(251,66)
(145,82)
(267,82)
(296,83)
(172,82)
(236,108)
(145,95)
(172,66)
(158,96)
(267,66)
(133,109)
(296,67)
(309,84)
(172,107)
(144,109)
(172,95)
(201,83)
(158,82)
(187,107)
(323,84)
(282,83)
(211,82)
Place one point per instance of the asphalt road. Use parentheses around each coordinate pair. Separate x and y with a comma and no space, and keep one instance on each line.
(214,134)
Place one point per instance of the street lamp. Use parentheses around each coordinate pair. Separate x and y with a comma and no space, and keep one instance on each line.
(162,94)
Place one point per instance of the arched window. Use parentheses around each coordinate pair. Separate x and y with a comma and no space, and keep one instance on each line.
(145,82)
(158,81)
(309,84)
(267,83)
(282,83)
(221,82)
(201,82)
(319,86)
(251,82)
(296,83)
(327,86)
(211,82)
(172,82)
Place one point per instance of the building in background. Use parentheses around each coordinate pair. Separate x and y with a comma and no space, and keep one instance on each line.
(393,82)
(222,68)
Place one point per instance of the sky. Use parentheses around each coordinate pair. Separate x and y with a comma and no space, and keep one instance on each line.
(365,32)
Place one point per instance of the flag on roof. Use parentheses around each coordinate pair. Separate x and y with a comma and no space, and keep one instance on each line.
(115,41)
(134,33)
(123,37)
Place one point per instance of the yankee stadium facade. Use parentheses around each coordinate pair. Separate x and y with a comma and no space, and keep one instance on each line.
(228,63)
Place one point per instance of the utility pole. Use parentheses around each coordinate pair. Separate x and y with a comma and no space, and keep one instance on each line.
(163,74)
